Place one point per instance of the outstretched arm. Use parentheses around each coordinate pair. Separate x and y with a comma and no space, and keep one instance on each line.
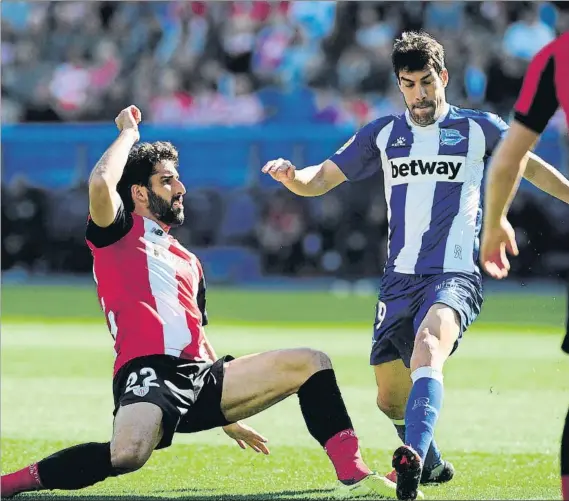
(547,178)
(536,104)
(104,200)
(511,161)
(506,170)
(359,158)
(308,182)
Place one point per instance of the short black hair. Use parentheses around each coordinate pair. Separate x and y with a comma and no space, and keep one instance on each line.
(416,51)
(141,165)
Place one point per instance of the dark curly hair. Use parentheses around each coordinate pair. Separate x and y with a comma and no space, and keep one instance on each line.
(416,51)
(141,165)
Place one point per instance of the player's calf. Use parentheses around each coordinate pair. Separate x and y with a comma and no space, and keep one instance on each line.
(137,431)
(130,458)
(433,344)
(393,410)
(73,468)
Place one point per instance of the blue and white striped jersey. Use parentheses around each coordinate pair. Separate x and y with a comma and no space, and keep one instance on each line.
(433,185)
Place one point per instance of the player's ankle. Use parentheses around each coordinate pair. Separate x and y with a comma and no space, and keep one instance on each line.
(344,452)
(435,469)
(24,480)
(358,473)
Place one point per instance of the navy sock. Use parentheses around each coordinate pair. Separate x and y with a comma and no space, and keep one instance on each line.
(423,407)
(434,456)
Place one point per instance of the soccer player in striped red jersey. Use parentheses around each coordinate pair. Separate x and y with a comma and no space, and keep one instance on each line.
(167,377)
(545,89)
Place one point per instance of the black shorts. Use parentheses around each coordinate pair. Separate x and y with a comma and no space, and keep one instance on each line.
(188,392)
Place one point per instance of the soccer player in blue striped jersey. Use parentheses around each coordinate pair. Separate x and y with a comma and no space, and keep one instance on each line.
(433,159)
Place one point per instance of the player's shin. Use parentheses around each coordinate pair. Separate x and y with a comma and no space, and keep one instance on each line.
(73,468)
(423,407)
(328,422)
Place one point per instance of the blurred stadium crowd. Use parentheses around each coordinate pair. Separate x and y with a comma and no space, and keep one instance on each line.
(250,62)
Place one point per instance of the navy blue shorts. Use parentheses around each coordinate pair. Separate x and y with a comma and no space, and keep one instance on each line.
(404,301)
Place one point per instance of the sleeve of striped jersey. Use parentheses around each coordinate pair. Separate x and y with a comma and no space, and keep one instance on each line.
(360,157)
(537,101)
(494,129)
(103,237)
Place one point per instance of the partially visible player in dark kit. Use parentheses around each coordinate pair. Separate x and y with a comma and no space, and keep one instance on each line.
(545,89)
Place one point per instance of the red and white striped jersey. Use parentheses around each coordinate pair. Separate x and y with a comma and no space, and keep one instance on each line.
(545,86)
(151,289)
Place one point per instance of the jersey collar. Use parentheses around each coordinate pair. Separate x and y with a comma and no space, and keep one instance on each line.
(157,228)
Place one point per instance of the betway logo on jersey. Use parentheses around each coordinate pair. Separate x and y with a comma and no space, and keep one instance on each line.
(420,169)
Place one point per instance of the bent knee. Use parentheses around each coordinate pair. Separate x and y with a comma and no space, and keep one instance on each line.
(317,360)
(308,361)
(426,342)
(301,364)
(391,408)
(130,457)
(430,351)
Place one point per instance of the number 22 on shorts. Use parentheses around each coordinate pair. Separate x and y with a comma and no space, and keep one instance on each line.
(147,382)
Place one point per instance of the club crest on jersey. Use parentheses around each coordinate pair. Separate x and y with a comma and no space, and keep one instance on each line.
(165,256)
(346,144)
(140,391)
(451,137)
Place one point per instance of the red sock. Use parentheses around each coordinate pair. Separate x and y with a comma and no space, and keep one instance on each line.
(565,487)
(344,451)
(27,479)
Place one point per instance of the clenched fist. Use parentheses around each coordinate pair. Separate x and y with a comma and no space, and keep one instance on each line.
(129,118)
(281,170)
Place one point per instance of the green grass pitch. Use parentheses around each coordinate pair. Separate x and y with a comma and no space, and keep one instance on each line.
(505,401)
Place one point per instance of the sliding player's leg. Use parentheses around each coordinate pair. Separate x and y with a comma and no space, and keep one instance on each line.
(256,382)
(137,431)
